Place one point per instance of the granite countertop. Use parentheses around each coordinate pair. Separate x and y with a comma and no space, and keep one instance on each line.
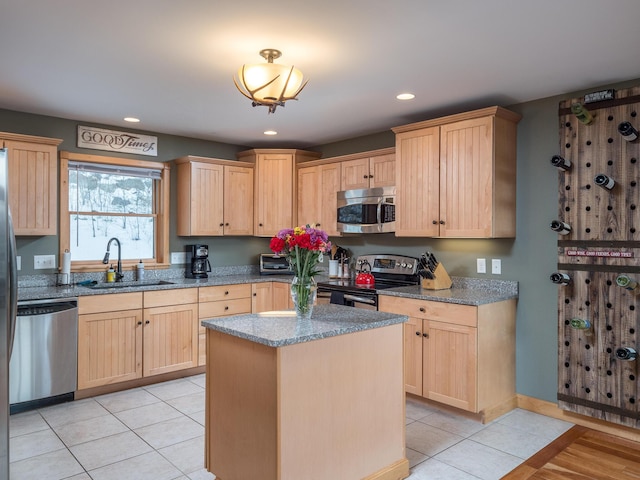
(51,291)
(464,291)
(278,329)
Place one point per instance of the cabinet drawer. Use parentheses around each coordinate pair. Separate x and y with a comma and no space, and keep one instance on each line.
(224,292)
(162,298)
(224,308)
(427,310)
(109,303)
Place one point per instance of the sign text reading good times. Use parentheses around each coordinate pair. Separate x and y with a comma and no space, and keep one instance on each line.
(113,141)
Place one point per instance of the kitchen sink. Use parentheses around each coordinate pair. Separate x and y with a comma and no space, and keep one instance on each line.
(117,285)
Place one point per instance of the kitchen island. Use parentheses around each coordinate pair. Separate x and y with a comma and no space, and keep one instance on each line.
(321,399)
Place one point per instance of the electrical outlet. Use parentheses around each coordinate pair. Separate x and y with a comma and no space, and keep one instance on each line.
(19,262)
(178,257)
(44,261)
(496,266)
(481,265)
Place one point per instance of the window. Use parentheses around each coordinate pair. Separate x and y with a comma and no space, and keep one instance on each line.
(104,197)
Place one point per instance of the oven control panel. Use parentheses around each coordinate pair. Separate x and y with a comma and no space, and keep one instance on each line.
(382,263)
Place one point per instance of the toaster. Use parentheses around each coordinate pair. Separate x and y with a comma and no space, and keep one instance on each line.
(270,264)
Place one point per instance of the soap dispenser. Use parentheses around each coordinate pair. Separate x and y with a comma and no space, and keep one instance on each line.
(111,275)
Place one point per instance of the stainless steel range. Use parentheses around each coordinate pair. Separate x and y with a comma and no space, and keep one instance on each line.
(389,271)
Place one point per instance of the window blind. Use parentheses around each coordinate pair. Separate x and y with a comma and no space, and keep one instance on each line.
(155,174)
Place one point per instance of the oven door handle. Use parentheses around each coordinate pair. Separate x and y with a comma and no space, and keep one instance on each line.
(353,298)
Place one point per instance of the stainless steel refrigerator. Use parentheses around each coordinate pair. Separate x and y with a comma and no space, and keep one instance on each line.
(8,297)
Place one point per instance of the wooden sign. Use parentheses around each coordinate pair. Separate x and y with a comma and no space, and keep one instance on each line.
(114,141)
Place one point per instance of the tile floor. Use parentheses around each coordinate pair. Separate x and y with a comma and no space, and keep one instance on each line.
(157,433)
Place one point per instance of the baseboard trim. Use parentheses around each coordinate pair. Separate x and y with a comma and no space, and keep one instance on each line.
(396,471)
(552,410)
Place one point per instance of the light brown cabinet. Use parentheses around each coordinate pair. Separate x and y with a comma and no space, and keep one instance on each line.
(32,183)
(220,301)
(317,199)
(457,175)
(275,189)
(119,340)
(215,197)
(261,297)
(369,172)
(459,355)
(282,296)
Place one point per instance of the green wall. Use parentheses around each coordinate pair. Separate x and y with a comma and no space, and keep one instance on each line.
(529,258)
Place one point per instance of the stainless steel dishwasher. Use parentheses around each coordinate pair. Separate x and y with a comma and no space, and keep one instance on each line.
(44,363)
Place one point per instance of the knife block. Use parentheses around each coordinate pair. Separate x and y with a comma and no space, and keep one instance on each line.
(441,282)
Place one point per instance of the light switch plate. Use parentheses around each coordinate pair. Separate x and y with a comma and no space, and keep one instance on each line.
(481,265)
(19,262)
(178,257)
(44,261)
(496,266)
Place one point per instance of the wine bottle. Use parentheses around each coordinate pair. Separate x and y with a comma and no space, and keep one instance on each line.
(560,162)
(582,114)
(628,132)
(561,227)
(626,353)
(604,181)
(580,324)
(560,278)
(626,282)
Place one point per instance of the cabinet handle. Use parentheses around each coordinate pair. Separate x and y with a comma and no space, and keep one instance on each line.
(366,176)
(418,334)
(140,323)
(222,224)
(425,335)
(226,224)
(226,307)
(435,222)
(146,322)
(422,309)
(370,176)
(255,294)
(441,222)
(259,224)
(226,292)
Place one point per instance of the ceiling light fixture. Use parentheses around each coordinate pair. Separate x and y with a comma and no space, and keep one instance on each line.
(270,132)
(406,96)
(269,84)
(131,119)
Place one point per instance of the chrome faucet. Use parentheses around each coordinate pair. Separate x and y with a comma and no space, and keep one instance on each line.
(105,260)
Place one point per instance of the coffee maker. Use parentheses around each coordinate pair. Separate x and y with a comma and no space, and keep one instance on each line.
(197,261)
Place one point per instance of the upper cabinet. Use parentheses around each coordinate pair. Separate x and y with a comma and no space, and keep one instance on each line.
(457,176)
(215,197)
(317,199)
(369,172)
(275,188)
(33,183)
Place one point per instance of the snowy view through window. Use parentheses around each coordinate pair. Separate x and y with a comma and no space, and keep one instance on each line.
(102,206)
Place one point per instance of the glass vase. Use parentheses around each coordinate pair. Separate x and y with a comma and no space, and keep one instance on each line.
(303,294)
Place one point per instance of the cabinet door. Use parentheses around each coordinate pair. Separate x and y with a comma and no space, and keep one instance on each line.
(330,176)
(261,298)
(274,193)
(200,199)
(33,187)
(281,296)
(170,338)
(355,174)
(309,196)
(238,201)
(466,155)
(413,356)
(418,183)
(109,348)
(450,364)
(383,171)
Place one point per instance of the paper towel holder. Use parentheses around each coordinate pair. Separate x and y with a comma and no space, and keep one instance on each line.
(64,276)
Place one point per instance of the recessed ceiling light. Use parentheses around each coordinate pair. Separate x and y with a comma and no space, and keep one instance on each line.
(131,119)
(270,132)
(406,96)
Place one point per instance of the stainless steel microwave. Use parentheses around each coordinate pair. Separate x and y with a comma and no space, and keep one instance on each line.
(371,210)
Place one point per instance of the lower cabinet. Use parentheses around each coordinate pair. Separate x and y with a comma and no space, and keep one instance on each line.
(282,296)
(220,301)
(130,335)
(459,355)
(261,297)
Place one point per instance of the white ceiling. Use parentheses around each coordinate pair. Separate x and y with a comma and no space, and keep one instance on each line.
(171,62)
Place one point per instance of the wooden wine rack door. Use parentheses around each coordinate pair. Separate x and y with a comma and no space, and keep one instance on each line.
(604,242)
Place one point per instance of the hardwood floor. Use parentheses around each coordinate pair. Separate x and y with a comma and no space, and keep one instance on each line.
(581,454)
